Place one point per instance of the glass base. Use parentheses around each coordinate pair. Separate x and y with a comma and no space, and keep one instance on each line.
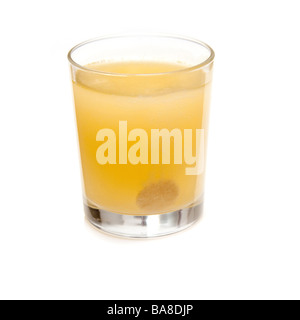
(148,226)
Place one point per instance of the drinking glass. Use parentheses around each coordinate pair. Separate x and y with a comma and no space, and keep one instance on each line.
(142,109)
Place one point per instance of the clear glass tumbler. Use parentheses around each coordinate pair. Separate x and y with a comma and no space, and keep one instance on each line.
(142,108)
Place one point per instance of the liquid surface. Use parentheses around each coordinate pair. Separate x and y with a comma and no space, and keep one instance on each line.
(174,100)
(136,67)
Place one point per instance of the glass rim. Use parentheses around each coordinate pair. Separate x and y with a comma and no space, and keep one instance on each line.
(198,66)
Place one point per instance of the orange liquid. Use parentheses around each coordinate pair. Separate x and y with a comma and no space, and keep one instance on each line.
(171,100)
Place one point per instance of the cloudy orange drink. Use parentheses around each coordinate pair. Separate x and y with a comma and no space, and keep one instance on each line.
(142,130)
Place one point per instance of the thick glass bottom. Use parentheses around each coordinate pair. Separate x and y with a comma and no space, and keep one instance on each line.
(148,226)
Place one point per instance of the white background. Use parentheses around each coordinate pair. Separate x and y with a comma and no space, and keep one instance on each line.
(246,246)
